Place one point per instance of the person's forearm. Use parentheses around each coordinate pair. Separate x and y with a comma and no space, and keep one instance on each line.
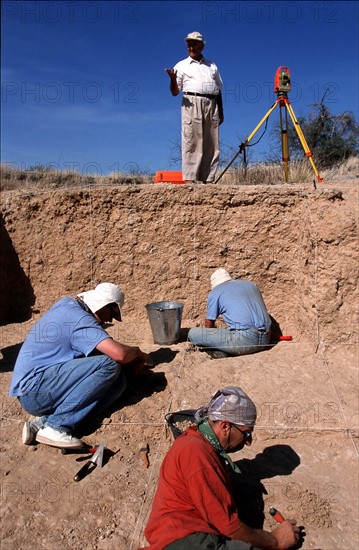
(174,87)
(121,353)
(255,537)
(133,353)
(282,537)
(220,105)
(209,324)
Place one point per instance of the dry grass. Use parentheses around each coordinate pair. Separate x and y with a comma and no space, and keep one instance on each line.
(268,174)
(41,178)
(348,170)
(300,171)
(256,174)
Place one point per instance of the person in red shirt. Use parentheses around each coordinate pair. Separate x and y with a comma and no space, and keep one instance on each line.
(193,507)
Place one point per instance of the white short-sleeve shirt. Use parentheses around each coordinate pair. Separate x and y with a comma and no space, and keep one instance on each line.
(198,76)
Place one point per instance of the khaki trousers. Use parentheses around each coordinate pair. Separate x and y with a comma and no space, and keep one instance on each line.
(200,138)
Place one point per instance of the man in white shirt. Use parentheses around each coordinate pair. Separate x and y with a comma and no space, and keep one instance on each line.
(202,111)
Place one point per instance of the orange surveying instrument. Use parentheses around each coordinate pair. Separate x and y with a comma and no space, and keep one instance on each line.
(281,88)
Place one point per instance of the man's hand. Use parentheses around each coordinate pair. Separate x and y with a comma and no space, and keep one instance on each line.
(144,362)
(171,73)
(287,534)
(173,86)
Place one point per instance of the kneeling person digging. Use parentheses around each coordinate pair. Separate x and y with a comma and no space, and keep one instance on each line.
(69,368)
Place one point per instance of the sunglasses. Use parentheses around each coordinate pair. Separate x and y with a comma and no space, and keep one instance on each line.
(247,434)
(194,44)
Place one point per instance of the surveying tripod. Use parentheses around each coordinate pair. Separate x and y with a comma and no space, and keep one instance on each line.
(281,88)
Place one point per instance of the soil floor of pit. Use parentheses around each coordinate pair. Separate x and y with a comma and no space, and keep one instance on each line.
(303,459)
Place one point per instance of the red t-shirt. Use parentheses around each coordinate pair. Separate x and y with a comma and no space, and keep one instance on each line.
(193,493)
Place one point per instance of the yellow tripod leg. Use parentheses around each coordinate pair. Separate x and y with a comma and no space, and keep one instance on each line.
(243,145)
(302,138)
(268,113)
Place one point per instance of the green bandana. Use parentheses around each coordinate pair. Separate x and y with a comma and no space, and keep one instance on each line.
(206,430)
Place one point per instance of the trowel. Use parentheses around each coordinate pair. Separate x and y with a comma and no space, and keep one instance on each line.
(95,460)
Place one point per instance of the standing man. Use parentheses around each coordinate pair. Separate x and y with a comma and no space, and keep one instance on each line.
(69,367)
(193,505)
(241,306)
(202,111)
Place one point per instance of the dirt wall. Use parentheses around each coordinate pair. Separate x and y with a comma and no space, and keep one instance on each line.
(161,242)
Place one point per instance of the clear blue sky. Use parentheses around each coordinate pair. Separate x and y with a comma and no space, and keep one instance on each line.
(84,85)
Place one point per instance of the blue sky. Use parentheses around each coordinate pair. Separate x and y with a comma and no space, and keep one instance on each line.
(84,85)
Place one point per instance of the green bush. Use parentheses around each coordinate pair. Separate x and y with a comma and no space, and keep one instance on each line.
(331,138)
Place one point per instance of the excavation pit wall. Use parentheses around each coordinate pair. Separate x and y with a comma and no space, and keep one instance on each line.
(161,242)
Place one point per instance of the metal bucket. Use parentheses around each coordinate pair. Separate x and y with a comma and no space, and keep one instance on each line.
(165,321)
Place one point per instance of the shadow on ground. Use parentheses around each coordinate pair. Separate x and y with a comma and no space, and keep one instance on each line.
(9,356)
(163,355)
(277,460)
(138,387)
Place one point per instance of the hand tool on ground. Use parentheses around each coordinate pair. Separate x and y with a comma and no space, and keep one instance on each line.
(79,450)
(95,460)
(276,515)
(286,338)
(144,450)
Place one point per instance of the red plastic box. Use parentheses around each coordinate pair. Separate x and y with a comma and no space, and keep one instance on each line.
(169,177)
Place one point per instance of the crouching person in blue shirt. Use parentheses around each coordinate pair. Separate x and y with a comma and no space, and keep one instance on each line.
(241,306)
(69,367)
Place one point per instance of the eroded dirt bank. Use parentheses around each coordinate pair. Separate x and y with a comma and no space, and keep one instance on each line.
(161,242)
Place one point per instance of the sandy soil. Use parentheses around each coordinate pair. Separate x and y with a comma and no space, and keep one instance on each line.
(303,459)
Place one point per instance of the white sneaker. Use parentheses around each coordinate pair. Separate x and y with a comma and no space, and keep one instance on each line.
(55,438)
(30,429)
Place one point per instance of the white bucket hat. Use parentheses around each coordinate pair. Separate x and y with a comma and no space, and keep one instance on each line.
(230,403)
(220,276)
(195,36)
(103,295)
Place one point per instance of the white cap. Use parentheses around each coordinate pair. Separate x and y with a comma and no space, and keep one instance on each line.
(195,36)
(103,295)
(219,276)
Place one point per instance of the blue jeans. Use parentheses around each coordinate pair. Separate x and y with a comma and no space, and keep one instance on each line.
(233,342)
(66,393)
